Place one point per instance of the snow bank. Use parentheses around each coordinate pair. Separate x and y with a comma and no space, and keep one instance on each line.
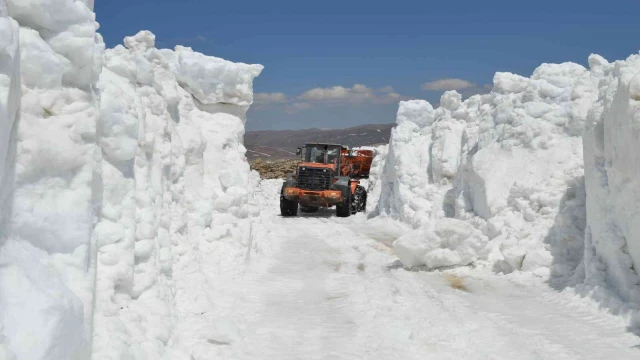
(372,184)
(509,163)
(174,175)
(9,103)
(46,262)
(112,178)
(612,177)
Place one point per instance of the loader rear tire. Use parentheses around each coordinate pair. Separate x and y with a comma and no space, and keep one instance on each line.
(359,200)
(364,203)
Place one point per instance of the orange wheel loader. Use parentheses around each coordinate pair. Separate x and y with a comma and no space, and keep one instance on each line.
(328,175)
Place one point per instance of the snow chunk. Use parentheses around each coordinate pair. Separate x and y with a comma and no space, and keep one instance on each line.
(40,66)
(445,242)
(213,80)
(419,112)
(451,100)
(509,83)
(42,318)
(69,28)
(142,41)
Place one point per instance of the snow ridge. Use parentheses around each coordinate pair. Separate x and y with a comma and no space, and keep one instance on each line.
(112,178)
(499,179)
(612,170)
(372,184)
(46,255)
(9,103)
(174,174)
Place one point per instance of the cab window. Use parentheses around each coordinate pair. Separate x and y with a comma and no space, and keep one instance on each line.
(315,154)
(332,155)
(318,154)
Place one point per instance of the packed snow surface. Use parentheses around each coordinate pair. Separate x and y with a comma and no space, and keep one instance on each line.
(319,287)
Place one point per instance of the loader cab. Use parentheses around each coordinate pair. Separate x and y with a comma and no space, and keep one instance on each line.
(321,154)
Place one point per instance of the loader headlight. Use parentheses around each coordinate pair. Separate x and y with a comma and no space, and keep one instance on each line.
(324,170)
(303,169)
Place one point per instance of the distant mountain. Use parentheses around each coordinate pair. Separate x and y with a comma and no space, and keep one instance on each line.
(281,144)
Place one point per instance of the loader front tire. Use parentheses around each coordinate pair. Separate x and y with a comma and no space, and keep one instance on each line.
(344,208)
(288,207)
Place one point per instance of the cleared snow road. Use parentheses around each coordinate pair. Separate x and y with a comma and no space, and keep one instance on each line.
(320,287)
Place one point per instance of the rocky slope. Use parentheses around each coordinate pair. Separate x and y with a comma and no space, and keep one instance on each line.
(277,169)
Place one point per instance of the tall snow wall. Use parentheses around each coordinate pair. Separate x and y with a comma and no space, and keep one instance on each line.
(372,184)
(110,178)
(496,177)
(48,150)
(174,174)
(612,177)
(9,103)
(501,179)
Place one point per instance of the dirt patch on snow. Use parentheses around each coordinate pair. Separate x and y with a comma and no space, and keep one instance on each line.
(456,282)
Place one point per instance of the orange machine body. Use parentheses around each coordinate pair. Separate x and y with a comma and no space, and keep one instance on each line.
(324,198)
(355,164)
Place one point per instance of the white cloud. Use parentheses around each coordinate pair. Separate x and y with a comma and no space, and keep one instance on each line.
(358,93)
(334,95)
(388,98)
(448,84)
(297,106)
(267,98)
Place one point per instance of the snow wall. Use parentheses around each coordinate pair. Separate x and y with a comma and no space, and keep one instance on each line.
(174,174)
(499,179)
(111,178)
(372,184)
(612,178)
(49,192)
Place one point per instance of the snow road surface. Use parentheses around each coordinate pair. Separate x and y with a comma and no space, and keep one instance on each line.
(321,287)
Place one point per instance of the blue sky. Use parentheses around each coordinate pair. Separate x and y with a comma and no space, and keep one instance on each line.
(334,64)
